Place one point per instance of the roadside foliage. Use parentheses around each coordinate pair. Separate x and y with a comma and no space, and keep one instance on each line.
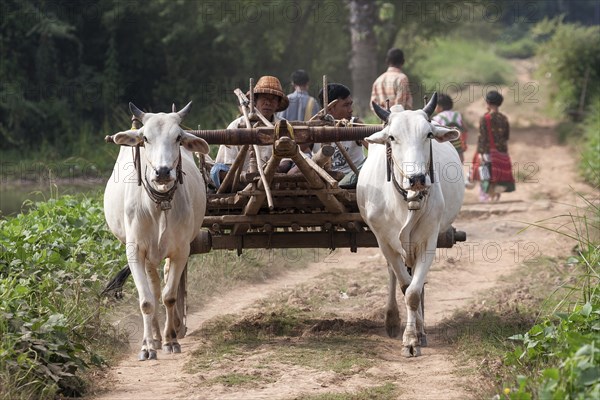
(55,260)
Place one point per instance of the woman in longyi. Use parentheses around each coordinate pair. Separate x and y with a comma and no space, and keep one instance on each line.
(492,166)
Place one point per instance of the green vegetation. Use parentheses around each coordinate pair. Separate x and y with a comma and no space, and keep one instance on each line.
(589,164)
(51,273)
(559,356)
(452,63)
(569,58)
(71,68)
(54,325)
(533,345)
(521,48)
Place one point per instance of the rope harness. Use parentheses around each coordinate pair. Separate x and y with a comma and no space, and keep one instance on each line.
(162,199)
(414,203)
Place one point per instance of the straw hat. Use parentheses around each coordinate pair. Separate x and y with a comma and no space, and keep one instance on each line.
(271,85)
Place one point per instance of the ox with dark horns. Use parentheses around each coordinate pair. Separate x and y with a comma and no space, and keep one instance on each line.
(158,216)
(410,188)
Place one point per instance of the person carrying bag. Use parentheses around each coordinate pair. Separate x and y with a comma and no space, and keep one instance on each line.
(492,165)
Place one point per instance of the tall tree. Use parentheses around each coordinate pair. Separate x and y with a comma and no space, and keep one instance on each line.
(363,60)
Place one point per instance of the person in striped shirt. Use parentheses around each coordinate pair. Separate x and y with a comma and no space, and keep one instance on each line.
(393,84)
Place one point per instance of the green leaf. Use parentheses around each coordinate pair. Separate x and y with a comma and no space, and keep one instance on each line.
(551,373)
(585,350)
(586,310)
(590,376)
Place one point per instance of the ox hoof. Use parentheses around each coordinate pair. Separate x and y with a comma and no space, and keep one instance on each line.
(392,324)
(143,355)
(392,330)
(172,348)
(411,351)
(152,355)
(423,340)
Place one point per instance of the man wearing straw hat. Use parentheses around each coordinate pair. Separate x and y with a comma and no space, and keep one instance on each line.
(269,98)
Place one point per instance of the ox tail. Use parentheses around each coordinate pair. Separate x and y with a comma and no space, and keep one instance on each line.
(115,286)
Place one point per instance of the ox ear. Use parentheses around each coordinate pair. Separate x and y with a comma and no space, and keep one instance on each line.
(193,143)
(378,137)
(129,138)
(443,133)
(185,110)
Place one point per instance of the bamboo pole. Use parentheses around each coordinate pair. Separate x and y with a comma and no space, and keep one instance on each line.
(259,160)
(342,150)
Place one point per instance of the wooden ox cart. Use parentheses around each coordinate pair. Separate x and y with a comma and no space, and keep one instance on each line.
(274,210)
(261,208)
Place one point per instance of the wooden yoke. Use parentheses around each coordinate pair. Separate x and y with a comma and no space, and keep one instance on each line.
(303,134)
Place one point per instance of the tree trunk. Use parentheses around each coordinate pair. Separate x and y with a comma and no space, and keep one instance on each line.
(363,61)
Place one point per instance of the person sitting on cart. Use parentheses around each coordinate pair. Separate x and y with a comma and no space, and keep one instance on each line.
(342,109)
(269,98)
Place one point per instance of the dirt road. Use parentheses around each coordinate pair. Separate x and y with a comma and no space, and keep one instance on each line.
(352,293)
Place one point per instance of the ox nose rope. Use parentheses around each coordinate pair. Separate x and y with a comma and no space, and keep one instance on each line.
(392,177)
(162,199)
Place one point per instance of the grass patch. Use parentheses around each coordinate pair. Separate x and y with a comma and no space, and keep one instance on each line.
(222,270)
(522,48)
(341,354)
(441,64)
(288,335)
(237,379)
(383,392)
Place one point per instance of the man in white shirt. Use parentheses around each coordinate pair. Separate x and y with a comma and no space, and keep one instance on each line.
(342,109)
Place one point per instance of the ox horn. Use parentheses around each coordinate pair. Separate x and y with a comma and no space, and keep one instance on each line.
(185,110)
(136,111)
(430,107)
(173,108)
(381,112)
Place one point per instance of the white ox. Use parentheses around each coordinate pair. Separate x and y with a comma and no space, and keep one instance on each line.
(406,214)
(158,219)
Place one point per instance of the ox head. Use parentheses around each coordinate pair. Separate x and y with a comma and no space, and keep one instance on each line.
(409,133)
(161,136)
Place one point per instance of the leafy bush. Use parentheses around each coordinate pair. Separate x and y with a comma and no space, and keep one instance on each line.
(590,162)
(570,347)
(570,58)
(52,258)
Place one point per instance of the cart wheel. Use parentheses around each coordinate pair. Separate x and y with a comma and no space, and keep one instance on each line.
(182,303)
